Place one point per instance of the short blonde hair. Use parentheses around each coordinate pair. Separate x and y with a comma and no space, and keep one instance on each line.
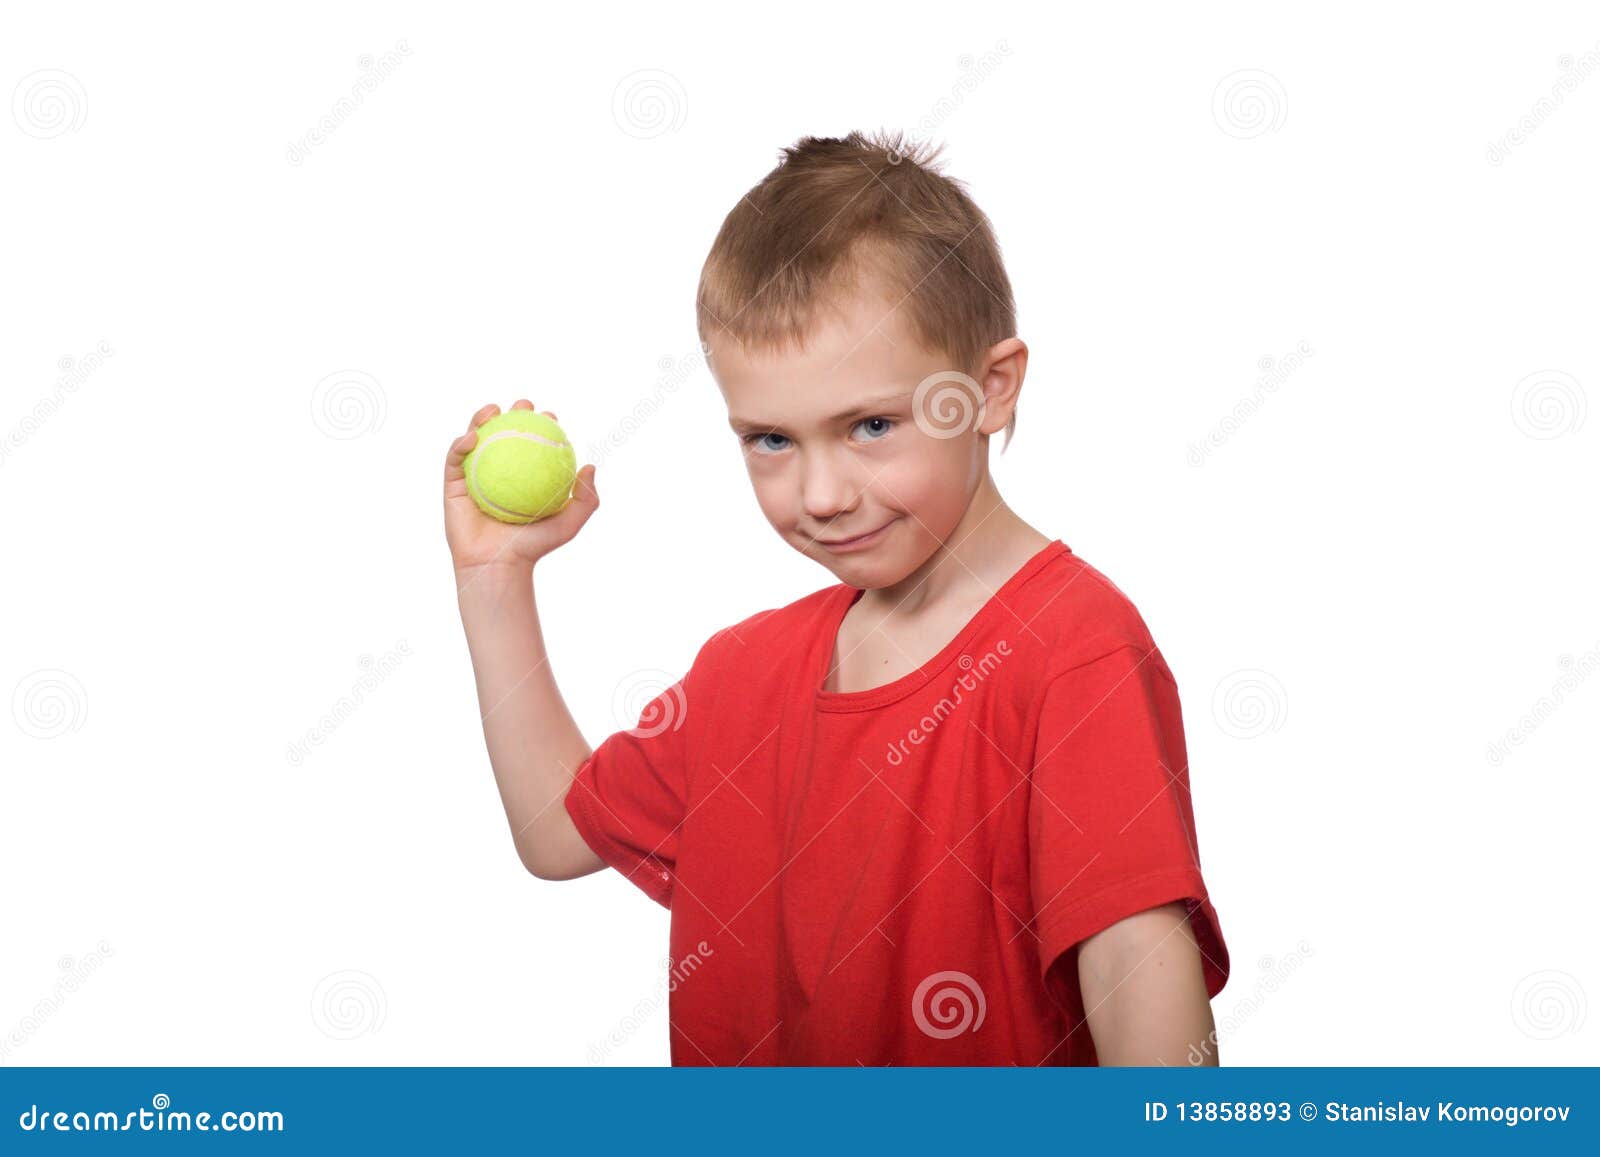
(836,208)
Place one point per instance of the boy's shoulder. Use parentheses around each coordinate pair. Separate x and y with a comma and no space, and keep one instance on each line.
(774,631)
(1075,615)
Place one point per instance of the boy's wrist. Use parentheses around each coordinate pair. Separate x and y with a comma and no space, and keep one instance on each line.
(493,575)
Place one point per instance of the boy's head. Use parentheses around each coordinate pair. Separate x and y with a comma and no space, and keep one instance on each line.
(858,319)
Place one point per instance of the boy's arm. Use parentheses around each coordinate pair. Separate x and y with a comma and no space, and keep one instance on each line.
(1144,991)
(534,745)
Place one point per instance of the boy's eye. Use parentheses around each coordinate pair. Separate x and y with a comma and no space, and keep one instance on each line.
(758,441)
(876,428)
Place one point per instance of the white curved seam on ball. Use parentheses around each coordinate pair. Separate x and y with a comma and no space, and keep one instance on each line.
(482,497)
(495,438)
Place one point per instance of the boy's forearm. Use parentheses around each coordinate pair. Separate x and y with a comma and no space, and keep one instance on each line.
(534,744)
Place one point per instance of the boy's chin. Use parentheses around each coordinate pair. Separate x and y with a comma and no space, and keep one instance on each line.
(865,569)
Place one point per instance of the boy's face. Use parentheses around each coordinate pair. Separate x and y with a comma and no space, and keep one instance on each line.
(839,443)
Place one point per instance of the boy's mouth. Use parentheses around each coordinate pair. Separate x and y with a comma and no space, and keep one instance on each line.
(859,542)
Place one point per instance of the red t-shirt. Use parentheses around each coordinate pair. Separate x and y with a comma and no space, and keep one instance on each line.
(890,875)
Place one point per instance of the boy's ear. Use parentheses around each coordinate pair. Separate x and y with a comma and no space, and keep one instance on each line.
(1001,374)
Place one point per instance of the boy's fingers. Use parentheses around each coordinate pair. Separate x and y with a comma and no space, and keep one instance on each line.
(584,500)
(525,404)
(482,416)
(585,490)
(459,449)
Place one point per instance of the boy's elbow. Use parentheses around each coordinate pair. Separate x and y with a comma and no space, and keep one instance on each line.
(560,871)
(557,853)
(534,866)
(539,863)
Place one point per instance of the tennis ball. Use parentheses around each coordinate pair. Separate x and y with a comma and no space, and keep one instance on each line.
(522,468)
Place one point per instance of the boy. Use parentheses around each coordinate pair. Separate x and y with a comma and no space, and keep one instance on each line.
(937,813)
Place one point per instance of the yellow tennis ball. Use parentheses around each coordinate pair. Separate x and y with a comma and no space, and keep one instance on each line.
(522,468)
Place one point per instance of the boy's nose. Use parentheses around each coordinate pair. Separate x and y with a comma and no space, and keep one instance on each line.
(828,489)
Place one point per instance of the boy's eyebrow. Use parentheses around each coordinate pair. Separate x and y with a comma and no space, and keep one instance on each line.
(872,405)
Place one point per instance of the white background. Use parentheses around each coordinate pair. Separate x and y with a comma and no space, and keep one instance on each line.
(219,529)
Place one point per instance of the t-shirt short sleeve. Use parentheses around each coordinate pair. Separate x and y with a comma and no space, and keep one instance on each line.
(1111,827)
(629,798)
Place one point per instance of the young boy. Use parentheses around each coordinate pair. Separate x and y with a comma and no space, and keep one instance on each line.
(937,813)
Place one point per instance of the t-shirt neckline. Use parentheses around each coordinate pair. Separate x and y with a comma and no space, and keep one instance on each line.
(845,597)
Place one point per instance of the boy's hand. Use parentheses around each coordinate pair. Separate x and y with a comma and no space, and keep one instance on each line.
(476,540)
